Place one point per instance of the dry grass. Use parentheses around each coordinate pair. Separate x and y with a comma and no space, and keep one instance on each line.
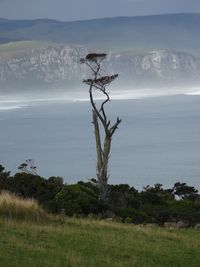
(14,207)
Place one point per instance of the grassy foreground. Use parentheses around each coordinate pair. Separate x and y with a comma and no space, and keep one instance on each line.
(30,237)
(86,243)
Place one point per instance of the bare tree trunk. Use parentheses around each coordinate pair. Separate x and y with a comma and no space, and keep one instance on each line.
(100,120)
(98,144)
(105,175)
(102,158)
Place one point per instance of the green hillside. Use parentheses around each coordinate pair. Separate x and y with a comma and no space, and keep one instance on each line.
(19,48)
(85,243)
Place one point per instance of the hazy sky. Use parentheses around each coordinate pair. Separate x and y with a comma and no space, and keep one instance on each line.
(86,9)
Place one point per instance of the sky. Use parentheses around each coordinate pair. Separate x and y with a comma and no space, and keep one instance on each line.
(67,10)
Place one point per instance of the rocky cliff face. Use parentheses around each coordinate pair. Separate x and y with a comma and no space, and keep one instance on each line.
(59,66)
(159,66)
(45,65)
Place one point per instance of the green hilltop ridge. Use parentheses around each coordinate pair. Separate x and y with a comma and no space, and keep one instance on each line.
(171,31)
(20,48)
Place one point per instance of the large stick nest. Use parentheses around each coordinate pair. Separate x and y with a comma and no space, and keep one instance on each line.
(102,81)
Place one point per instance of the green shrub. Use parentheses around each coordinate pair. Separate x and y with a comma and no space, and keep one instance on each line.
(77,199)
(185,210)
(128,220)
(137,216)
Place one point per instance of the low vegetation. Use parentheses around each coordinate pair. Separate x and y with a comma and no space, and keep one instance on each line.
(153,204)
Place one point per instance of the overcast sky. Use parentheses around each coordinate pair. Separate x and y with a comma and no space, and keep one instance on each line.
(85,9)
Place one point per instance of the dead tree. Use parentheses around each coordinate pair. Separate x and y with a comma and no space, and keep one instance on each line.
(28,167)
(103,128)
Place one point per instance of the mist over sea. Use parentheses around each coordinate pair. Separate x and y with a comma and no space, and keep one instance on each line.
(157,141)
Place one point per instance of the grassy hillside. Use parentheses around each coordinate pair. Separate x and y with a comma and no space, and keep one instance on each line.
(20,48)
(87,243)
(30,237)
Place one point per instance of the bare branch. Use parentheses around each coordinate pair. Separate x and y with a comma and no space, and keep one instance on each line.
(94,106)
(114,127)
(102,108)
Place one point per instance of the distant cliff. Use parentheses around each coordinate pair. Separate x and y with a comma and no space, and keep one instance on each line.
(159,67)
(146,51)
(59,66)
(39,67)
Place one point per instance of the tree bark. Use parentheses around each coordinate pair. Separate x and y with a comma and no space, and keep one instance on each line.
(102,158)
(98,143)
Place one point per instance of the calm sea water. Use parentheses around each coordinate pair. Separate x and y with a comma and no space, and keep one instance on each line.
(157,141)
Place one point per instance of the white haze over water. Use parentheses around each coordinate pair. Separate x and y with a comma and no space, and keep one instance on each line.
(8,102)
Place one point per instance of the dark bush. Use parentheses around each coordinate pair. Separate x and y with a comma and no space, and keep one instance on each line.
(137,216)
(4,175)
(185,210)
(123,195)
(78,199)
